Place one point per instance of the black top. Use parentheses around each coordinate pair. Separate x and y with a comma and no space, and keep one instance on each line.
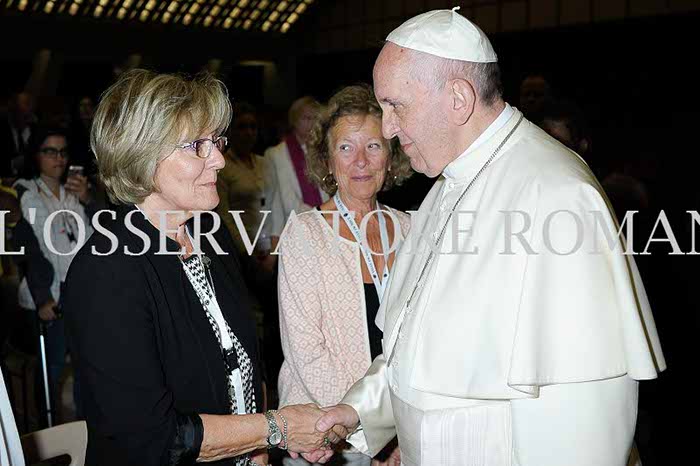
(144,351)
(375,335)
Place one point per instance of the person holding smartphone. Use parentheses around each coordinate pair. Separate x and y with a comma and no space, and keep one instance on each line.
(47,194)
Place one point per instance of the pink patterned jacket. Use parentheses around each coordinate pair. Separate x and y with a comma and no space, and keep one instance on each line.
(322,311)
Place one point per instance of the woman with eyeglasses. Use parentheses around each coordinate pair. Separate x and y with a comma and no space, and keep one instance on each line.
(56,207)
(158,316)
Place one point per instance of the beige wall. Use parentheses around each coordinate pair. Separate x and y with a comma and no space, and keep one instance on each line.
(339,25)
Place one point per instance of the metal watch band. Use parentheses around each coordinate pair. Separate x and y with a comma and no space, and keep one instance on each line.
(273,429)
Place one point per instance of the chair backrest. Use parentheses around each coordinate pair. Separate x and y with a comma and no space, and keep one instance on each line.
(66,439)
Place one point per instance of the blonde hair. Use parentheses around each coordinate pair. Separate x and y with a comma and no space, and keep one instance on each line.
(142,116)
(298,106)
(356,100)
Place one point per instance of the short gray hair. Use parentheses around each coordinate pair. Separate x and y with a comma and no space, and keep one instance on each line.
(437,71)
(142,116)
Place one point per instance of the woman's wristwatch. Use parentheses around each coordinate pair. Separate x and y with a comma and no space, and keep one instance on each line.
(275,437)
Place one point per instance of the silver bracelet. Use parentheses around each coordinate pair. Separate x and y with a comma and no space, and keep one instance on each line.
(283,444)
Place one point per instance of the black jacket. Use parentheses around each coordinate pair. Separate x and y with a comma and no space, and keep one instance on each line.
(145,353)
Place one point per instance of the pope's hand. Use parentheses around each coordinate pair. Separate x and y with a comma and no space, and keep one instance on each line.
(341,418)
(336,423)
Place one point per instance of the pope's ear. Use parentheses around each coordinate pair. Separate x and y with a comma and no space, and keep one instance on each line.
(463,101)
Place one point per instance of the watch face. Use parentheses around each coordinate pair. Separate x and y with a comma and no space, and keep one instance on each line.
(275,438)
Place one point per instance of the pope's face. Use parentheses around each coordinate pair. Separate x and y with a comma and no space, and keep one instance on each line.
(411,111)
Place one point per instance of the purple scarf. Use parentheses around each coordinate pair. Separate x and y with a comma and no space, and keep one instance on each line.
(309,192)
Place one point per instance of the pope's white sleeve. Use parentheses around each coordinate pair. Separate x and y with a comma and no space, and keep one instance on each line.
(577,424)
(370,397)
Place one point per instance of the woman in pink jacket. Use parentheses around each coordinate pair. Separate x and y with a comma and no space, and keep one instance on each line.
(335,261)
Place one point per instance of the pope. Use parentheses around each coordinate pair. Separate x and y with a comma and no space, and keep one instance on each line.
(515,327)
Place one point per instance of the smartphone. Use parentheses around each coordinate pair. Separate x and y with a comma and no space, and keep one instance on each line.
(74,170)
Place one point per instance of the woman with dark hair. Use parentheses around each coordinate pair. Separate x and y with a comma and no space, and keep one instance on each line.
(47,195)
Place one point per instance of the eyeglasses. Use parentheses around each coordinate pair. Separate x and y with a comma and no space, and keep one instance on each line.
(203,147)
(54,153)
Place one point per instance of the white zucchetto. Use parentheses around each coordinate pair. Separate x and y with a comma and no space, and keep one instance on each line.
(446,34)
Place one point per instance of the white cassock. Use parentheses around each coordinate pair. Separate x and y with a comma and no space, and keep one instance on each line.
(528,351)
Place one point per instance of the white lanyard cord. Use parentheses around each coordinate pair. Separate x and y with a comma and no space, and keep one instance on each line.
(379,281)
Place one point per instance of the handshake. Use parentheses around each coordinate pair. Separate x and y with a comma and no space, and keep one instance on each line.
(311,431)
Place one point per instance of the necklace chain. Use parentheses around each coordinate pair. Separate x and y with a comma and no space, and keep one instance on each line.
(431,255)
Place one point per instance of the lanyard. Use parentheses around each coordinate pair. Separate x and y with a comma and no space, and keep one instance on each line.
(379,282)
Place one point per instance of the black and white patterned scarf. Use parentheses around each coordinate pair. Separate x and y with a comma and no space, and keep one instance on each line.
(197,275)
